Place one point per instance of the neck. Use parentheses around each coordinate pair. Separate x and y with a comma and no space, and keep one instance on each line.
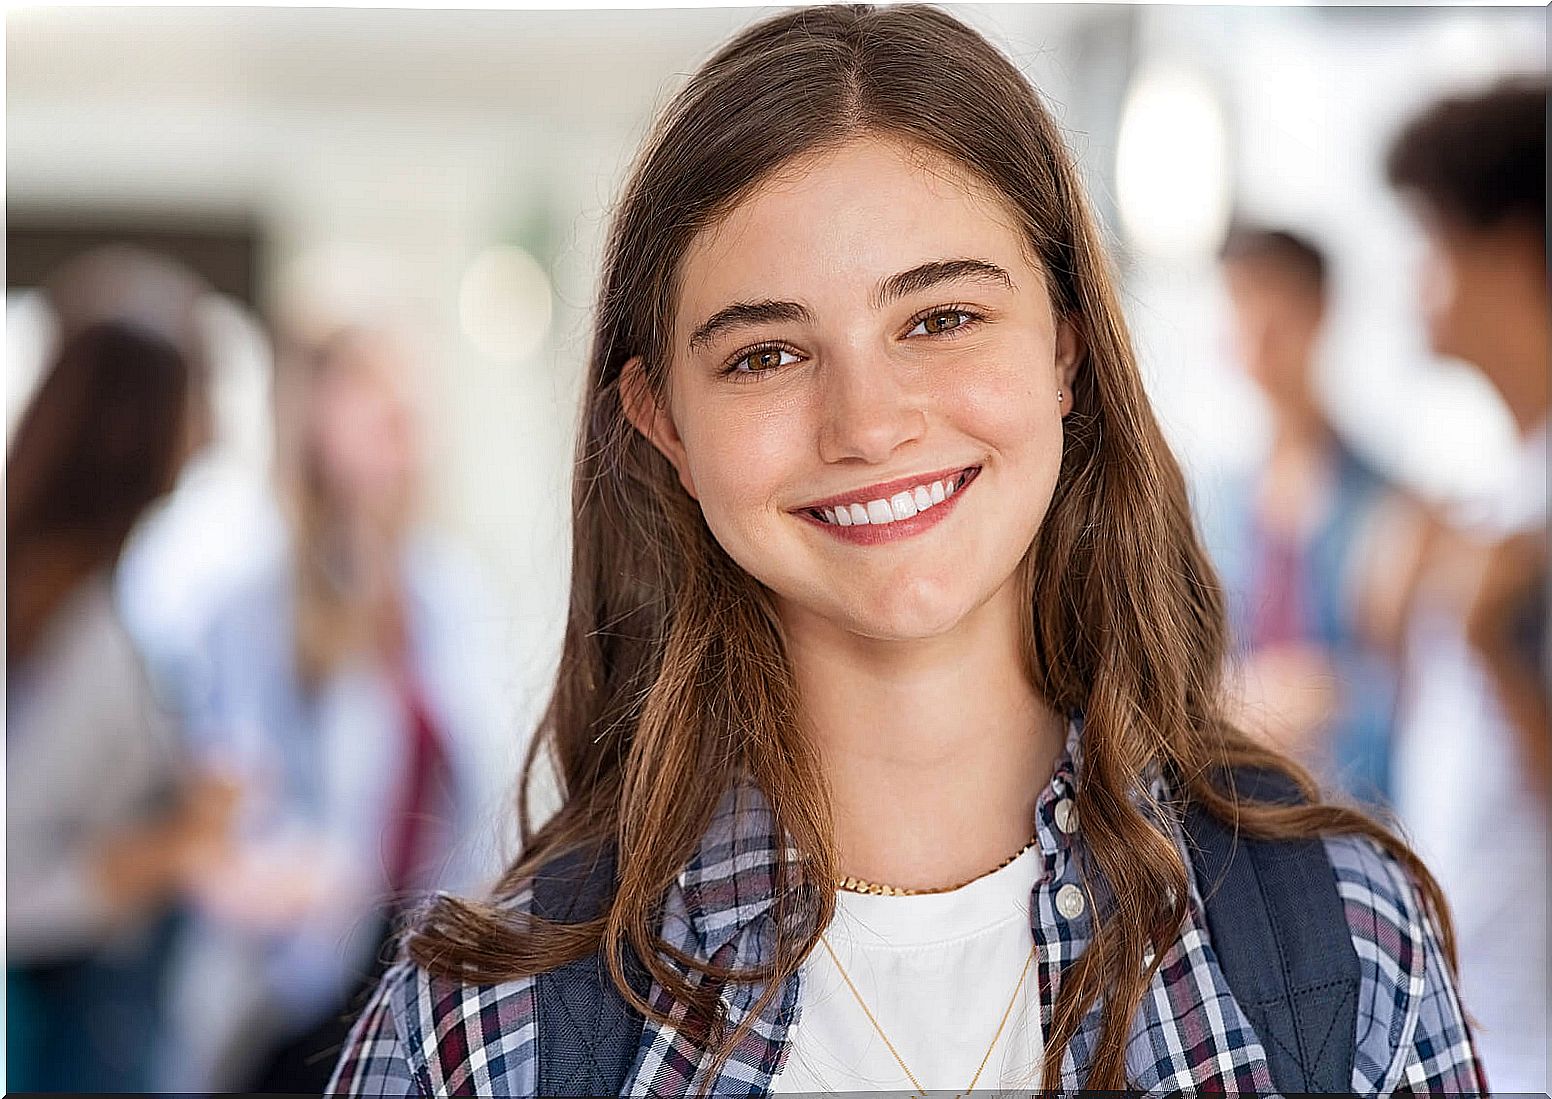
(1299,429)
(372,549)
(1524,388)
(934,749)
(1515,352)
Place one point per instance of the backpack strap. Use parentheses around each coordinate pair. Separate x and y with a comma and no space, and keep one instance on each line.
(1281,935)
(587,1034)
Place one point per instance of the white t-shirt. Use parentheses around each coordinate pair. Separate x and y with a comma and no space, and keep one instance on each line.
(937,971)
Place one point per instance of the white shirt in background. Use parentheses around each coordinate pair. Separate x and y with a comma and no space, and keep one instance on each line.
(1461,794)
(938,971)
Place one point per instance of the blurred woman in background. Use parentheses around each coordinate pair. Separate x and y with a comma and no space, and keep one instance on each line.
(105,826)
(345,682)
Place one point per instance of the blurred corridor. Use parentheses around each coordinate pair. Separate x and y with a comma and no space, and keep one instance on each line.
(336,267)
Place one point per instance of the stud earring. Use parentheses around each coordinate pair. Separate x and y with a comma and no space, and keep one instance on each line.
(1058,396)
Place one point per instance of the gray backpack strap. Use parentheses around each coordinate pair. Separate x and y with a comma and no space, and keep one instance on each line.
(1281,936)
(587,1034)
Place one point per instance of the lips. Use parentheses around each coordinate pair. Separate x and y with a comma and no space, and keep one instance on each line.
(884,489)
(899,507)
(871,526)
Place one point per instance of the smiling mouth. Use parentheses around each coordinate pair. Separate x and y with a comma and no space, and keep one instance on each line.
(903,505)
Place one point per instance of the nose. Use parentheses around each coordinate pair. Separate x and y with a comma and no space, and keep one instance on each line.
(871,407)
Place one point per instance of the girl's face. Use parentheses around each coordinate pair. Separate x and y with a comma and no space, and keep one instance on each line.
(866,332)
(364,428)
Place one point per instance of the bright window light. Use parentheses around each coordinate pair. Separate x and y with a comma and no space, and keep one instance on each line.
(1172,166)
(504,303)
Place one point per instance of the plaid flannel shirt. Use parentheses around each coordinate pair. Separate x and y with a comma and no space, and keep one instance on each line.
(421,1035)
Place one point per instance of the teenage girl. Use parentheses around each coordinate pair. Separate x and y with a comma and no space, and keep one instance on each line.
(893,661)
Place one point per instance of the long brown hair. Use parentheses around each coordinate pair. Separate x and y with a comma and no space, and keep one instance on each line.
(101,440)
(674,680)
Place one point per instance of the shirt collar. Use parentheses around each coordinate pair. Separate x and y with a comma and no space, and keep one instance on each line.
(730,882)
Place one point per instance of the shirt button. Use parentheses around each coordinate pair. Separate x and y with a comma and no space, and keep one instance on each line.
(1067,815)
(1069,901)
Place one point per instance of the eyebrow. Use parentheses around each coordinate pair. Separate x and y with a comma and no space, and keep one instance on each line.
(745,314)
(921,277)
(928,275)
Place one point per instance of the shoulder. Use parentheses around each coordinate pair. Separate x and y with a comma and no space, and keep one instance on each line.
(263,591)
(242,650)
(422,1034)
(1219,499)
(373,1061)
(439,569)
(86,666)
(246,625)
(1384,916)
(1411,1030)
(86,626)
(1359,471)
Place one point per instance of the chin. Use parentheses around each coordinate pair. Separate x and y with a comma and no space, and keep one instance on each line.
(910,615)
(1444,338)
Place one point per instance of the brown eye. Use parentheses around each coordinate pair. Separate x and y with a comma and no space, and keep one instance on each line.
(944,321)
(759,363)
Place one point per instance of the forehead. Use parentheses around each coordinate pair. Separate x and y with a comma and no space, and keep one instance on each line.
(1269,279)
(836,221)
(368,366)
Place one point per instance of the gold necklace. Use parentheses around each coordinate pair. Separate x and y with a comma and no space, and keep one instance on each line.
(876,889)
(891,1046)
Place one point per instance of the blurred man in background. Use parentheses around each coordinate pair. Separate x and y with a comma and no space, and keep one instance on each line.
(1293,538)
(1472,762)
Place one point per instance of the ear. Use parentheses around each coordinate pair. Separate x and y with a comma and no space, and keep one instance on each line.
(653,421)
(1069,356)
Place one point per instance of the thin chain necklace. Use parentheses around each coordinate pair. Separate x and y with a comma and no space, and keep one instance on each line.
(891,1046)
(876,889)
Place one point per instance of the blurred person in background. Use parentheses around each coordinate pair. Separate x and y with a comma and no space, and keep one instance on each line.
(106,823)
(1472,773)
(347,683)
(204,534)
(1292,538)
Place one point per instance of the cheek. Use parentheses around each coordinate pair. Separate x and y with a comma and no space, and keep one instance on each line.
(1440,290)
(1007,409)
(738,462)
(1009,404)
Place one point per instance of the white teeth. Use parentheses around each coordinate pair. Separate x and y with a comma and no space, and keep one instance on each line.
(902,505)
